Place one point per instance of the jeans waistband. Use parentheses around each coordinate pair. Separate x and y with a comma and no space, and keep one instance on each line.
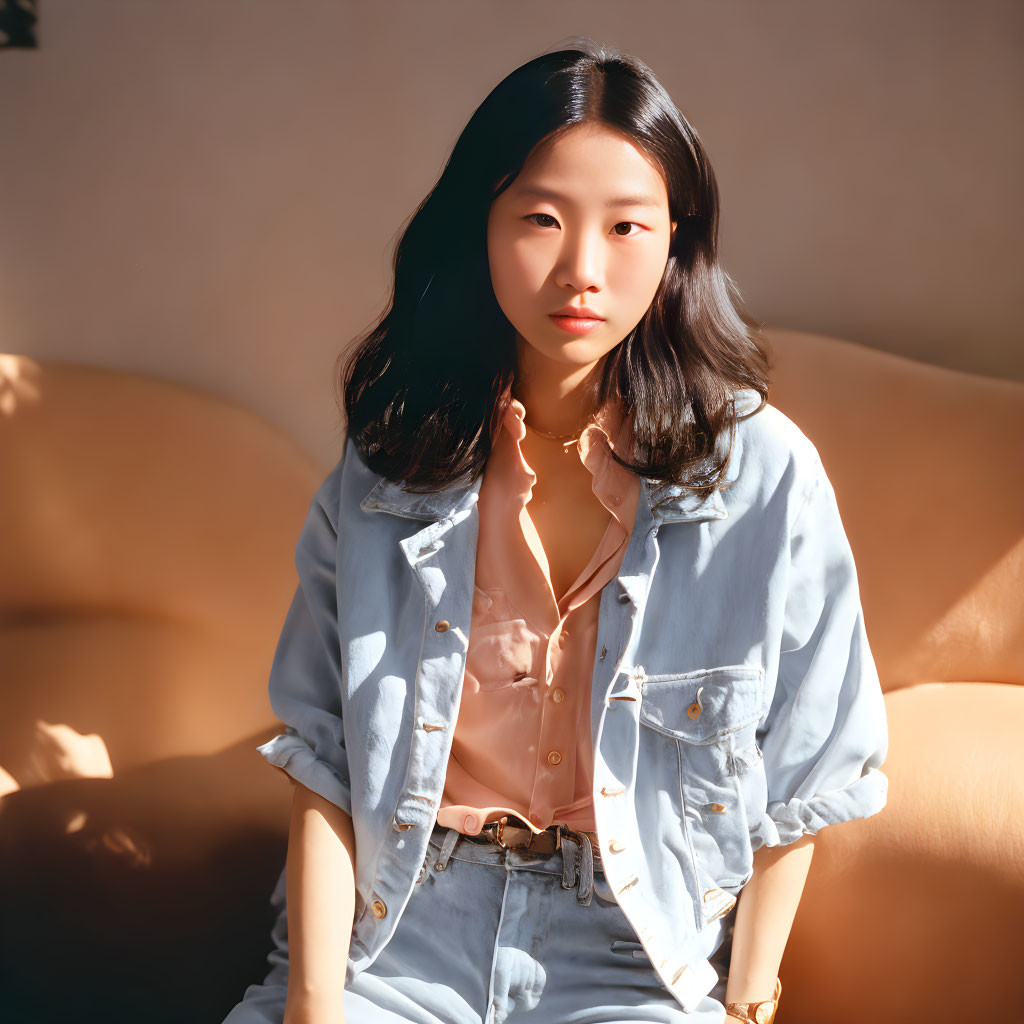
(575,861)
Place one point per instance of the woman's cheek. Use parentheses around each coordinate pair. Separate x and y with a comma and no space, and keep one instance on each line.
(637,282)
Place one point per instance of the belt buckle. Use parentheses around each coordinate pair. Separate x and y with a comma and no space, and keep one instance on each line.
(494,830)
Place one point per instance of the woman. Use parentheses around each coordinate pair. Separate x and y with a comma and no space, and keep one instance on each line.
(578,627)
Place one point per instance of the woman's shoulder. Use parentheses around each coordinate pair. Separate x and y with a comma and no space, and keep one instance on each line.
(348,480)
(771,448)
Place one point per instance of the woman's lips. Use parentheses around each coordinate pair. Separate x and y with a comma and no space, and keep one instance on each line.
(576,324)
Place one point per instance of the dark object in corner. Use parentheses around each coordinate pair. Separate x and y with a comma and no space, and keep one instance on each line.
(18,24)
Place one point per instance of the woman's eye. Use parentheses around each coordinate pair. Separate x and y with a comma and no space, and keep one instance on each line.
(615,230)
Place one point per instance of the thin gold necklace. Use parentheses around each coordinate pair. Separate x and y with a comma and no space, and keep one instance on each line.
(566,440)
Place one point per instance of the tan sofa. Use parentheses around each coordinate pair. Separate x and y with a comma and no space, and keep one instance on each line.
(146,566)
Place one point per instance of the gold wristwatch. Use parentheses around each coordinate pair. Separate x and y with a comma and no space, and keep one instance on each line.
(757,1013)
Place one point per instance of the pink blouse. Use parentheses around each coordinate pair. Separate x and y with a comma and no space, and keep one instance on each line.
(522,741)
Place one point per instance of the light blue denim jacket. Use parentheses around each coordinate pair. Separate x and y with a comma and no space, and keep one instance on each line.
(735,701)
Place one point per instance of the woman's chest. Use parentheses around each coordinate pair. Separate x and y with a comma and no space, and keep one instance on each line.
(570,522)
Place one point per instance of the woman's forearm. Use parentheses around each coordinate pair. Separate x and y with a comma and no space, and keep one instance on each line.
(764,917)
(321,904)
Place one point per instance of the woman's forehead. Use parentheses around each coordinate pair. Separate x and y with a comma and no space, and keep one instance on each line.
(594,163)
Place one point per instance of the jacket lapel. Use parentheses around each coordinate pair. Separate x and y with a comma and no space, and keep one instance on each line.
(442,554)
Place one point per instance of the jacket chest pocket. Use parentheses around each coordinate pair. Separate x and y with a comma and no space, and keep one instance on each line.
(706,720)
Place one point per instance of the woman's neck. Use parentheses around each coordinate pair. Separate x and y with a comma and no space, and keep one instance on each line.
(559,398)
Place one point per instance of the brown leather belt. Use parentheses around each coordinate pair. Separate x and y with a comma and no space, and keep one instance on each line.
(581,857)
(511,837)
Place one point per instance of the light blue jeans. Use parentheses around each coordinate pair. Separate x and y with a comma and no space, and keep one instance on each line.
(493,937)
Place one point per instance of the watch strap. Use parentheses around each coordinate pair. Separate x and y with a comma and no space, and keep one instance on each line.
(761,1012)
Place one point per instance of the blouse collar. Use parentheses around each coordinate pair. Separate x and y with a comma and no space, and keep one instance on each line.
(609,429)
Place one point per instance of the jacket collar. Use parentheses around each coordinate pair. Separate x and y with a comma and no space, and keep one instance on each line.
(669,503)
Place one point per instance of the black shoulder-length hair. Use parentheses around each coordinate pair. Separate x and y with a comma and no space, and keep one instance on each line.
(425,388)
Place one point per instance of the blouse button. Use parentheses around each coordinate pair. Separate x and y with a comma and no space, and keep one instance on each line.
(554,757)
(379,908)
(557,695)
(441,625)
(470,823)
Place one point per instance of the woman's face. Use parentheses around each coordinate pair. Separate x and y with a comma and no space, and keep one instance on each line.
(585,224)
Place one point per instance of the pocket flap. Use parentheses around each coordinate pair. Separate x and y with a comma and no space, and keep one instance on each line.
(724,699)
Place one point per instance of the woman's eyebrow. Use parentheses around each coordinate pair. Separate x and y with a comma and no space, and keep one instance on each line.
(546,193)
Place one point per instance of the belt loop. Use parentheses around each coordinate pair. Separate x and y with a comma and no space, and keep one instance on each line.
(577,864)
(447,845)
(569,858)
(585,889)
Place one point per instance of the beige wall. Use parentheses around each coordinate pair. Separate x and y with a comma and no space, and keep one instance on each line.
(207,191)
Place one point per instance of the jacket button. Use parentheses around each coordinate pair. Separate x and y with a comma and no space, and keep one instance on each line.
(693,711)
(717,808)
(441,625)
(379,908)
(623,598)
(554,757)
(615,846)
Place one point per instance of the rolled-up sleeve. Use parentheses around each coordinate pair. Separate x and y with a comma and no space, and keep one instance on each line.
(306,674)
(825,734)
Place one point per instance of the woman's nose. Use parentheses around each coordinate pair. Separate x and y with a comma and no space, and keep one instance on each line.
(580,262)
